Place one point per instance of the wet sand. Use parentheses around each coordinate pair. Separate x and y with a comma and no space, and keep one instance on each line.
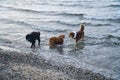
(16,65)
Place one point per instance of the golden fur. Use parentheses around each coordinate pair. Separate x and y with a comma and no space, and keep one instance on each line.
(79,34)
(56,40)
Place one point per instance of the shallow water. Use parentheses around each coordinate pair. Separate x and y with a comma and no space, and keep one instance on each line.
(100,50)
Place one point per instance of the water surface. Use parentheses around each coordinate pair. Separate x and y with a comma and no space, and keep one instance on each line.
(100,52)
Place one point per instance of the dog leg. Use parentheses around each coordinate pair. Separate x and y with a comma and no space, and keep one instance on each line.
(33,45)
(39,41)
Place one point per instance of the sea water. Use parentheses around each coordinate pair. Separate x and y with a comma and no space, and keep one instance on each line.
(99,52)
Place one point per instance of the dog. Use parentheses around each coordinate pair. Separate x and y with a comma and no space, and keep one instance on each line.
(78,35)
(32,37)
(56,40)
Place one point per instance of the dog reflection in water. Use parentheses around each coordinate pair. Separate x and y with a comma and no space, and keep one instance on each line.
(80,46)
(59,48)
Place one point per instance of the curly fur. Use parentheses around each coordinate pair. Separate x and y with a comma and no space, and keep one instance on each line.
(56,40)
(32,37)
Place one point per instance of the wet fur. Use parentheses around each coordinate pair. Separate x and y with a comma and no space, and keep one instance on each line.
(57,40)
(79,36)
(32,37)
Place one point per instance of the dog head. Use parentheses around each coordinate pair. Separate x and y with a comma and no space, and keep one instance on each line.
(82,27)
(28,37)
(62,36)
(71,34)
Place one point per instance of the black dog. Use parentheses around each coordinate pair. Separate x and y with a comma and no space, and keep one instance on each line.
(32,37)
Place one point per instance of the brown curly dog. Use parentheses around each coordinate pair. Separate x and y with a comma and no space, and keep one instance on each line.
(56,40)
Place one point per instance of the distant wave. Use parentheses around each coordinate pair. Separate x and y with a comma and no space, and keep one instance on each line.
(97,24)
(22,9)
(65,23)
(71,4)
(48,30)
(114,6)
(117,20)
(11,21)
(85,23)
(71,14)
(77,24)
(44,12)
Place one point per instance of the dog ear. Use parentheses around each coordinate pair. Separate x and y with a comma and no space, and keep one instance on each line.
(62,36)
(71,34)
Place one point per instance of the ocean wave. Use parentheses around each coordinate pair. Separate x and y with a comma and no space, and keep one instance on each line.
(111,36)
(66,23)
(117,20)
(116,30)
(44,12)
(112,5)
(71,14)
(77,23)
(70,4)
(97,24)
(11,21)
(108,40)
(23,23)
(48,30)
(22,9)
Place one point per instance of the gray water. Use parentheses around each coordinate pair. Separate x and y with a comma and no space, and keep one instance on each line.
(100,52)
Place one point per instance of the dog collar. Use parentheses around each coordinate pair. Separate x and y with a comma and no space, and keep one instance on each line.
(75,34)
